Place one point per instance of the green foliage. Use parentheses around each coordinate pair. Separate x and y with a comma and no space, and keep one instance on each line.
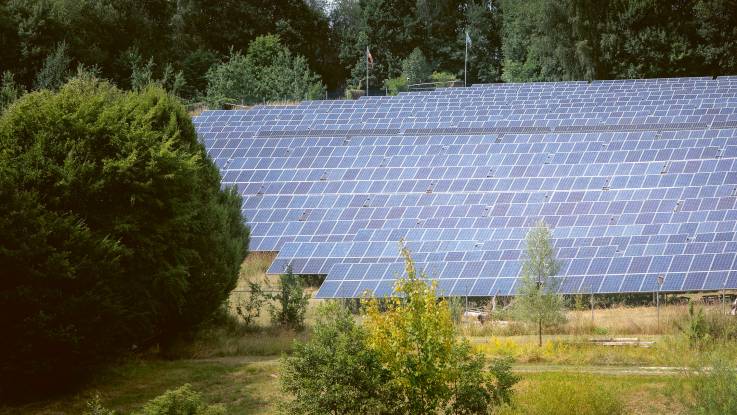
(55,70)
(249,309)
(94,407)
(117,234)
(533,40)
(335,371)
(569,395)
(696,329)
(291,302)
(501,368)
(142,75)
(702,329)
(181,401)
(446,78)
(547,40)
(415,68)
(268,72)
(715,389)
(483,20)
(430,368)
(395,85)
(537,301)
(456,307)
(9,91)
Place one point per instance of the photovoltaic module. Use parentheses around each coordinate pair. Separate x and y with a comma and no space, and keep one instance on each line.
(636,178)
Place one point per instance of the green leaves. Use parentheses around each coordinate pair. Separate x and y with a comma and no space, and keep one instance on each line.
(117,231)
(268,72)
(537,301)
(335,371)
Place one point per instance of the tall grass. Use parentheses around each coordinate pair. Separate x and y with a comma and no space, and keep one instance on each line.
(618,321)
(715,388)
(564,395)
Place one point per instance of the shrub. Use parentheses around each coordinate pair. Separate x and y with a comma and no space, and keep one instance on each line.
(181,401)
(395,85)
(501,368)
(116,233)
(430,369)
(446,78)
(249,309)
(696,329)
(335,371)
(291,302)
(94,407)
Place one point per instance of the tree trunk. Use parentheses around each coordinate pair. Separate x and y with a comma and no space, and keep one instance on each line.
(540,332)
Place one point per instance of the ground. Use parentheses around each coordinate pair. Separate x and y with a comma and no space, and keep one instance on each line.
(241,368)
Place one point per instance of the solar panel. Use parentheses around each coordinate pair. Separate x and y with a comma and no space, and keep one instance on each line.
(637,179)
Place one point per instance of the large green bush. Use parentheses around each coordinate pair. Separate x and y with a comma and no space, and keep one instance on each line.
(335,371)
(115,232)
(430,368)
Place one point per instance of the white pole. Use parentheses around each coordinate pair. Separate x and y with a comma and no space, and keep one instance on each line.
(367,69)
(465,60)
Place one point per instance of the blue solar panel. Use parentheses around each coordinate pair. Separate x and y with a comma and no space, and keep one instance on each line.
(636,178)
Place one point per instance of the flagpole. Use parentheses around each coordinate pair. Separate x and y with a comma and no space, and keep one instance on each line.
(465,61)
(367,68)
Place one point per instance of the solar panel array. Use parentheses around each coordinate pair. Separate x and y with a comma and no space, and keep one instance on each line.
(637,179)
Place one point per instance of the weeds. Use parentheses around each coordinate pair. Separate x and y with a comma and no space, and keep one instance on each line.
(715,388)
(562,395)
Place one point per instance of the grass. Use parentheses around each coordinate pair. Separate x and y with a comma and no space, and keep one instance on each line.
(616,321)
(245,386)
(239,368)
(576,393)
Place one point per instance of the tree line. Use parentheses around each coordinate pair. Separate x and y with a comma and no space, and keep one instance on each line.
(185,42)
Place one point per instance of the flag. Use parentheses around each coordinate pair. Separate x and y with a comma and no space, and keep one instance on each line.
(369,58)
(468,39)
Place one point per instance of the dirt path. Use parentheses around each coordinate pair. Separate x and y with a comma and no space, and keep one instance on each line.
(603,370)
(519,368)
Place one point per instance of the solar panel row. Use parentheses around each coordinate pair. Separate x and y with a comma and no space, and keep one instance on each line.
(638,179)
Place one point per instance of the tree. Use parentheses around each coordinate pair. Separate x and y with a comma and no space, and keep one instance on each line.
(9,91)
(291,300)
(117,234)
(430,368)
(268,72)
(335,371)
(415,68)
(55,70)
(537,300)
(483,20)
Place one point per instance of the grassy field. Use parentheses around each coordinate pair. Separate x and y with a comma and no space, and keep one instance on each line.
(240,368)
